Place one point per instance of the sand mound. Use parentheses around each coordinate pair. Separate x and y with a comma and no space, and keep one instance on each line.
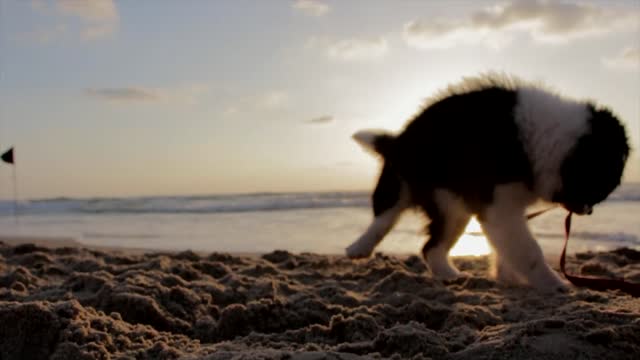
(73,303)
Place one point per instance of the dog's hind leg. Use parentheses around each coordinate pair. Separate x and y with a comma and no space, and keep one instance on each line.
(389,199)
(449,217)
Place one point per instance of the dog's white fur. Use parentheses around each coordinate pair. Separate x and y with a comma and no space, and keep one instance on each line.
(550,126)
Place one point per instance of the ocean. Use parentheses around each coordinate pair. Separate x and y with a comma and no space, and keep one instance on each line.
(298,222)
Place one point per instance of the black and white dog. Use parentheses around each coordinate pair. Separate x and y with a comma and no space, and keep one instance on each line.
(490,147)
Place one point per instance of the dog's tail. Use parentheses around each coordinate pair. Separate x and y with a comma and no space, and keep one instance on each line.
(376,141)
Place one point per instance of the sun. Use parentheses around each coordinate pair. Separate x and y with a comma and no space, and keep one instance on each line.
(472,242)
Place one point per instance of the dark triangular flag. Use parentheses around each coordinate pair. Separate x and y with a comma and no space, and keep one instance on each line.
(8,156)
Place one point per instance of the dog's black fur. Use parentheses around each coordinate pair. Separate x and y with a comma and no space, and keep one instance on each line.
(467,143)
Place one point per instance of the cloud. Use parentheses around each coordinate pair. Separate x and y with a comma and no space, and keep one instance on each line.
(358,49)
(97,18)
(544,21)
(353,49)
(92,10)
(185,94)
(270,100)
(124,94)
(442,35)
(100,17)
(627,59)
(321,120)
(273,100)
(311,7)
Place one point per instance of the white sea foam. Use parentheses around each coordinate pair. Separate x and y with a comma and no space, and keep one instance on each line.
(221,203)
(190,204)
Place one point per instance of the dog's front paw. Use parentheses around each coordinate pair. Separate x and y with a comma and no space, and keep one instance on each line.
(447,274)
(563,289)
(553,285)
(358,251)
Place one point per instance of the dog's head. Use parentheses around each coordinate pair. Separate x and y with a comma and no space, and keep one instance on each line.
(594,167)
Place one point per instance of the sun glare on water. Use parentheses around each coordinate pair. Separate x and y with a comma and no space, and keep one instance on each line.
(472,242)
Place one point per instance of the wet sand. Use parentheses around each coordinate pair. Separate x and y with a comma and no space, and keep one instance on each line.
(68,302)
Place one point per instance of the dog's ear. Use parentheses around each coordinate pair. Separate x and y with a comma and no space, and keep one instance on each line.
(367,138)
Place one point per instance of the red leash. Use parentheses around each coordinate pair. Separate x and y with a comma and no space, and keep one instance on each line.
(595,283)
(591,282)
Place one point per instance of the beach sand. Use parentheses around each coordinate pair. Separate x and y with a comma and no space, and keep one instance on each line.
(68,302)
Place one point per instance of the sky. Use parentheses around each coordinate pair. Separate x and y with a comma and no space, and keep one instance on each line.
(133,98)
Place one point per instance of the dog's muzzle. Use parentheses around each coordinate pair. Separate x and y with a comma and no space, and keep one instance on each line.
(580,209)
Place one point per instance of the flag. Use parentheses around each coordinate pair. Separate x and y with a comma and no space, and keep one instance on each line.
(8,156)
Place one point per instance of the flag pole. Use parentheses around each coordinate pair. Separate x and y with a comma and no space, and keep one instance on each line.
(15,194)
(9,158)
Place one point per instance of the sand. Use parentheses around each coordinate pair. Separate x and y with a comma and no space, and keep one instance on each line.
(74,303)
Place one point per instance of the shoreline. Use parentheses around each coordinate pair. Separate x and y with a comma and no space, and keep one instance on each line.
(53,242)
